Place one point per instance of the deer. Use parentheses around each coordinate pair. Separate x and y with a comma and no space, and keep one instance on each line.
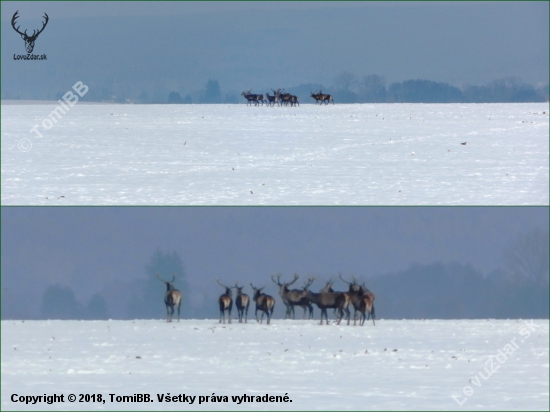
(226,303)
(367,306)
(327,298)
(326,98)
(242,302)
(264,303)
(362,300)
(249,97)
(256,98)
(273,99)
(287,98)
(172,298)
(29,40)
(294,297)
(317,96)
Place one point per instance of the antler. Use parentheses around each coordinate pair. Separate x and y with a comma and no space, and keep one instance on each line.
(296,276)
(329,282)
(43,26)
(161,279)
(347,283)
(308,283)
(217,280)
(278,281)
(15,16)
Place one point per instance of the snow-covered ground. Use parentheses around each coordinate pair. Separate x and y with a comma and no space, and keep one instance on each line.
(413,364)
(370,154)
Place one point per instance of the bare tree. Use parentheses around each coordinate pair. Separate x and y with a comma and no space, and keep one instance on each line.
(527,257)
(373,89)
(346,82)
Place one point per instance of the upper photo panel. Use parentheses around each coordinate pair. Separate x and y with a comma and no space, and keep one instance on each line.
(275,103)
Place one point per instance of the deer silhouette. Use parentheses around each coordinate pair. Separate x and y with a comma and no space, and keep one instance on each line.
(29,40)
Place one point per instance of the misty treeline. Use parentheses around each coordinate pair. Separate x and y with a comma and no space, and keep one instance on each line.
(347,87)
(423,291)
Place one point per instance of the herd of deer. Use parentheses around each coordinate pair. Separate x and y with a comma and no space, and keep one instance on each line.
(283,99)
(357,295)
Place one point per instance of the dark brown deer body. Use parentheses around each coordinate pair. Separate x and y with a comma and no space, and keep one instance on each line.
(366,307)
(242,302)
(294,297)
(172,298)
(226,304)
(273,99)
(318,97)
(327,98)
(328,299)
(256,98)
(362,300)
(264,303)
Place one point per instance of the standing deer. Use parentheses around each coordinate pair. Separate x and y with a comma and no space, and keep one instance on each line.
(367,305)
(256,98)
(362,300)
(271,100)
(172,298)
(318,97)
(226,303)
(264,302)
(242,302)
(328,299)
(326,97)
(294,297)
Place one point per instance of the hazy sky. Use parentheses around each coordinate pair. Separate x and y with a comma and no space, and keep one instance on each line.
(180,45)
(94,249)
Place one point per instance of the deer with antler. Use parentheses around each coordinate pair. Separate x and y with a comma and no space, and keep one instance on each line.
(294,297)
(327,298)
(362,300)
(226,303)
(242,302)
(264,303)
(29,40)
(317,96)
(172,298)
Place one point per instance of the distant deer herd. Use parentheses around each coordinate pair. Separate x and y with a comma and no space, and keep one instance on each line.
(357,296)
(283,99)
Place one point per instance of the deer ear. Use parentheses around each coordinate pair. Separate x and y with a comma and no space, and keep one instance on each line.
(23,36)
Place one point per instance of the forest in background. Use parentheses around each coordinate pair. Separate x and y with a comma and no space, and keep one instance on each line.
(422,291)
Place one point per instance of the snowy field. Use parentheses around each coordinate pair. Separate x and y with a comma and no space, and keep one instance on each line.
(422,364)
(368,154)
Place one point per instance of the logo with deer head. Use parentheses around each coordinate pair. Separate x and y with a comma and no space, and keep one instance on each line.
(29,40)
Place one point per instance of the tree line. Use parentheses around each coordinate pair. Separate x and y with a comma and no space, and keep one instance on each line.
(349,88)
(436,290)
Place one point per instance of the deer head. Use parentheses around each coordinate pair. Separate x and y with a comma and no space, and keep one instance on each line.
(29,40)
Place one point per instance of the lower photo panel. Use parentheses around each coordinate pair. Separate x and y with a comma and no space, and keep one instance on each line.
(274,308)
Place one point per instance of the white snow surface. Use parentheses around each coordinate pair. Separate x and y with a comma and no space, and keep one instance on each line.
(361,154)
(407,364)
